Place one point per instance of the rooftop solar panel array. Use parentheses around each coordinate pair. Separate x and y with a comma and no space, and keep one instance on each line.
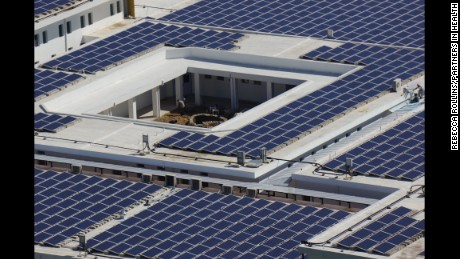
(43,6)
(386,234)
(294,120)
(66,204)
(396,153)
(138,40)
(48,82)
(52,122)
(197,224)
(390,22)
(382,59)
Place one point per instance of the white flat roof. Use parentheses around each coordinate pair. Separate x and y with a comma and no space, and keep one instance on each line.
(135,77)
(272,61)
(258,56)
(127,133)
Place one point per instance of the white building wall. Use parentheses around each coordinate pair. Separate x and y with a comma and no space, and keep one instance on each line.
(120,110)
(247,91)
(54,46)
(251,92)
(144,100)
(278,89)
(167,91)
(57,45)
(341,187)
(215,88)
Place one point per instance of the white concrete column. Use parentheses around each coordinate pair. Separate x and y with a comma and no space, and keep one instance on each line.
(269,90)
(233,94)
(179,88)
(196,86)
(132,108)
(156,102)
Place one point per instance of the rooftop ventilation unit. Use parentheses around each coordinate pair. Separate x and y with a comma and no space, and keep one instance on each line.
(196,184)
(145,139)
(251,193)
(349,165)
(396,85)
(145,143)
(263,155)
(226,189)
(330,33)
(240,157)
(82,241)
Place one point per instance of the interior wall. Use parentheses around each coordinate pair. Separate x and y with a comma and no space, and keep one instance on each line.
(144,100)
(248,91)
(188,84)
(215,88)
(278,89)
(341,187)
(120,110)
(167,90)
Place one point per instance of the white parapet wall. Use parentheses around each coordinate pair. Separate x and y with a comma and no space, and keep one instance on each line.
(261,62)
(138,76)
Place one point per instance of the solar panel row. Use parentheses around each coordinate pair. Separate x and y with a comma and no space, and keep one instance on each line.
(43,6)
(47,82)
(396,153)
(390,22)
(66,204)
(137,40)
(52,122)
(386,233)
(192,224)
(301,116)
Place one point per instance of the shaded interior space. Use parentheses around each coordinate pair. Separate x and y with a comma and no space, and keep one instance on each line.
(209,107)
(203,95)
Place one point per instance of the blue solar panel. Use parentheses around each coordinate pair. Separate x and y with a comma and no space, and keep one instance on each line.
(349,241)
(311,110)
(384,248)
(217,216)
(366,244)
(389,158)
(47,82)
(277,252)
(312,18)
(68,217)
(47,6)
(411,232)
(145,36)
(382,236)
(54,240)
(52,122)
